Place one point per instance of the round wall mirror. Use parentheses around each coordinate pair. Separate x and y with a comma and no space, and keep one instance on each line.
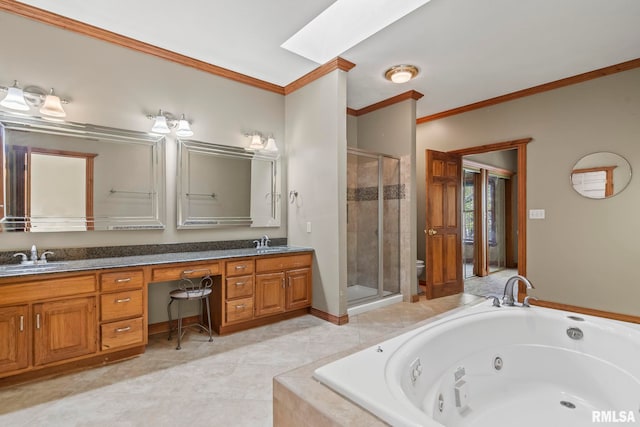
(600,175)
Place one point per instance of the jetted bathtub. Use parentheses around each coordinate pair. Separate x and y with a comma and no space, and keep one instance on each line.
(498,366)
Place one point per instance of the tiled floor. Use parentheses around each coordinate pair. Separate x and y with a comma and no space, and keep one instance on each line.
(493,284)
(224,383)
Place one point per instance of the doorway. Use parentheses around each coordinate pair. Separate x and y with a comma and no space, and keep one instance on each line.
(373,226)
(489,224)
(449,259)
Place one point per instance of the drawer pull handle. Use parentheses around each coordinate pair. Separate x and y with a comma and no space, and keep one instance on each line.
(118,301)
(125,329)
(124,280)
(21,323)
(241,283)
(240,267)
(206,271)
(38,321)
(241,306)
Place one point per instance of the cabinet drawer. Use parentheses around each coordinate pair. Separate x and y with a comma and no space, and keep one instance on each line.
(122,333)
(47,289)
(242,267)
(120,305)
(129,279)
(283,262)
(239,287)
(167,274)
(240,309)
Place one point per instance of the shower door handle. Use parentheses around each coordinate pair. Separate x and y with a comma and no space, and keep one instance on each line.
(432,232)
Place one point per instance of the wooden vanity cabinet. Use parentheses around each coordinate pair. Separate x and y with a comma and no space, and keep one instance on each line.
(283,283)
(46,321)
(239,290)
(260,290)
(14,344)
(64,329)
(122,308)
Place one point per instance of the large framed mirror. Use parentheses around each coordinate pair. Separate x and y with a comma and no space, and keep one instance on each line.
(600,175)
(78,177)
(225,186)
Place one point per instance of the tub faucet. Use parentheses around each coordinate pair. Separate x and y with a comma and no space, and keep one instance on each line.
(510,291)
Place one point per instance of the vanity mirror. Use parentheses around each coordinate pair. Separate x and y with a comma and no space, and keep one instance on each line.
(601,175)
(221,186)
(79,177)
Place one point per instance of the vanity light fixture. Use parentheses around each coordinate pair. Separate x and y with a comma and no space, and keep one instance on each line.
(401,73)
(24,99)
(163,122)
(271,145)
(52,106)
(256,142)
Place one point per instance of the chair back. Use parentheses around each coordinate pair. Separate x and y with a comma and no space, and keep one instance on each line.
(196,288)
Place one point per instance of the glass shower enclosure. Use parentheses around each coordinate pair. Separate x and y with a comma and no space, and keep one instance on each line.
(374,192)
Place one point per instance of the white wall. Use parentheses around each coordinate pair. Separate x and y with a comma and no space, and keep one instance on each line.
(585,252)
(316,138)
(114,86)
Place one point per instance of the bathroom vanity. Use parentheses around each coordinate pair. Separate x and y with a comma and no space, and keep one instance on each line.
(62,316)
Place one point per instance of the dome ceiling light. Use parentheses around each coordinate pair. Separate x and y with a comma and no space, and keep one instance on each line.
(401,73)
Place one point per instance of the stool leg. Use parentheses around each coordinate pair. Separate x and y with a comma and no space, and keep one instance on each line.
(170,321)
(209,319)
(179,325)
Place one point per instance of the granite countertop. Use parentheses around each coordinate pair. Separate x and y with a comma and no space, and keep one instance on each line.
(61,266)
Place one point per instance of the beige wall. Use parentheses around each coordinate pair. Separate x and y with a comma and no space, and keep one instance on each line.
(316,129)
(391,130)
(584,253)
(113,86)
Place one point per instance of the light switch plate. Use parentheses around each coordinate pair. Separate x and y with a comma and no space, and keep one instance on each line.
(536,213)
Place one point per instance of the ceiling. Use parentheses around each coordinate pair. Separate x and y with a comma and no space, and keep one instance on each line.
(466,50)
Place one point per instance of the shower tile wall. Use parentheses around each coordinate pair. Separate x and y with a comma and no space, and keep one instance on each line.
(362,222)
(394,192)
(367,222)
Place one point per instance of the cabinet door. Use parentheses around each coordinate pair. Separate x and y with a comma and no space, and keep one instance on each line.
(13,338)
(269,294)
(64,329)
(298,289)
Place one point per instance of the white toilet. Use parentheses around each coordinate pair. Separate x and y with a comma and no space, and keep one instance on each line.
(419,268)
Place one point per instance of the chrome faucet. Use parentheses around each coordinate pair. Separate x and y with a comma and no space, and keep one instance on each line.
(263,242)
(33,260)
(43,257)
(511,291)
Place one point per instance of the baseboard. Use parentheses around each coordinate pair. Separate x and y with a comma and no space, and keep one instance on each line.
(336,320)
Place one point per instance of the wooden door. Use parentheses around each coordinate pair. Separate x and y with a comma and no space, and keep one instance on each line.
(64,329)
(270,294)
(14,353)
(298,289)
(444,224)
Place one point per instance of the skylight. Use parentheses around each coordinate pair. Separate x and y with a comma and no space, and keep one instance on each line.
(344,24)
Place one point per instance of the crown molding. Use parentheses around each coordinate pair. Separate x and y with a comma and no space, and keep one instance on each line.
(412,94)
(579,78)
(69,24)
(335,64)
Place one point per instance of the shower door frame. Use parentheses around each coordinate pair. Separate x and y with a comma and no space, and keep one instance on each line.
(380,231)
